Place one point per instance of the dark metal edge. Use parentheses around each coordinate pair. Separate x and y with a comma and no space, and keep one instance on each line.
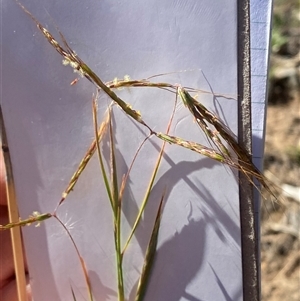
(249,243)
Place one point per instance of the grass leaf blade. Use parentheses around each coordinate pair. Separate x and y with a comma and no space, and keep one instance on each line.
(150,256)
(114,175)
(97,142)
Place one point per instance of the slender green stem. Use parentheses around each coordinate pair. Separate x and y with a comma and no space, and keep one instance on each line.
(117,214)
(119,256)
(153,177)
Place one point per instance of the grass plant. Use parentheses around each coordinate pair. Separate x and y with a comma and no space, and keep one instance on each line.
(218,134)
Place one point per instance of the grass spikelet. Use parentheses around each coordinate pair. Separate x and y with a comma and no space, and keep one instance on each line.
(244,162)
(72,59)
(83,163)
(36,217)
(189,102)
(196,147)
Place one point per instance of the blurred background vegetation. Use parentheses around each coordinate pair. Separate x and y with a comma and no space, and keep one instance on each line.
(280,230)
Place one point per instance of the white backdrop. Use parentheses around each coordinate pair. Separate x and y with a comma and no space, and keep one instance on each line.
(49,127)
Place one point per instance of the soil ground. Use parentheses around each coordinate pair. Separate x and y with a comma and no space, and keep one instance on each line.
(280,231)
(280,223)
